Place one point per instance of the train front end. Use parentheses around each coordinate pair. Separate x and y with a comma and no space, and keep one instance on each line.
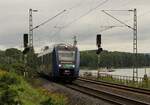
(67,62)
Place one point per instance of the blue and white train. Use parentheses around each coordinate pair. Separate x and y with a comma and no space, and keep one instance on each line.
(61,62)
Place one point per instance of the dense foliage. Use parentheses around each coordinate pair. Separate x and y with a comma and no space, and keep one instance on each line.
(113,59)
(14,90)
(10,58)
(13,60)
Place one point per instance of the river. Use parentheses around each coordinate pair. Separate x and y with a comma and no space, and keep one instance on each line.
(122,72)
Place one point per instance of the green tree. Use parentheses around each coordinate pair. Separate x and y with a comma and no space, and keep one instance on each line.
(113,59)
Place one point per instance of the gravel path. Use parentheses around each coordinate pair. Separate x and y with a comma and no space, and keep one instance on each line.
(75,98)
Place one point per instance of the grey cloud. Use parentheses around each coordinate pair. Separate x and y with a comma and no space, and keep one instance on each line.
(14,22)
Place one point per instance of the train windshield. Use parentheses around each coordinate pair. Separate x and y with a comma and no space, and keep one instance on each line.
(66,55)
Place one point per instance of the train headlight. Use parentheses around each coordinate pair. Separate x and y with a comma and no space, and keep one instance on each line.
(59,65)
(73,66)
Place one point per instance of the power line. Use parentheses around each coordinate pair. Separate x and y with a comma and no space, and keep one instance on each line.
(116,10)
(141,15)
(104,28)
(85,13)
(61,28)
(49,19)
(76,5)
(118,19)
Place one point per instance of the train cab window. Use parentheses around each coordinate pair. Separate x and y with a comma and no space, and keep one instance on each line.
(66,55)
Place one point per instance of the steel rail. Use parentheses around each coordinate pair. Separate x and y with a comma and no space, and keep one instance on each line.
(118,86)
(107,96)
(94,94)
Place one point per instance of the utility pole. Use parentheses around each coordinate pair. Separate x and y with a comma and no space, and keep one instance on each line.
(31,28)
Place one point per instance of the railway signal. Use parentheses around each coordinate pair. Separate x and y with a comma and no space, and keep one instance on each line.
(98,42)
(25,41)
(26,50)
(99,50)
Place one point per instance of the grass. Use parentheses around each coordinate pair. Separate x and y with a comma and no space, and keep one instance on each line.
(141,84)
(57,99)
(14,90)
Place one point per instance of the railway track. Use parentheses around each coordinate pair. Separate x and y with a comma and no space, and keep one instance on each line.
(123,87)
(111,93)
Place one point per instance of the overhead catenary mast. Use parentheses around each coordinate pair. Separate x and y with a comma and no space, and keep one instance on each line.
(31,28)
(135,69)
(134,28)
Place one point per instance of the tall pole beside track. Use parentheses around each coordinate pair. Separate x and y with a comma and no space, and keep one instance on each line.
(135,68)
(31,28)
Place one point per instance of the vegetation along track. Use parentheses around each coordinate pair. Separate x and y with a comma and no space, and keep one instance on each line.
(114,95)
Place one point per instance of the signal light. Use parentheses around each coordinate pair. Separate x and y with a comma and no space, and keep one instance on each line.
(98,40)
(25,40)
(26,50)
(99,50)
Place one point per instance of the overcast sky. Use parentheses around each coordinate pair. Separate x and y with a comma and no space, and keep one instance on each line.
(14,22)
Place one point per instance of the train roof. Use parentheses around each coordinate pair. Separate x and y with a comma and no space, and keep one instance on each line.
(49,50)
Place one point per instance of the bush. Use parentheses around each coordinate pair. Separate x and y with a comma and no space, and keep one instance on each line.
(14,90)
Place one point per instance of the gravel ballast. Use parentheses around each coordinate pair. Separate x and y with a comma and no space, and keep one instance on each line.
(74,97)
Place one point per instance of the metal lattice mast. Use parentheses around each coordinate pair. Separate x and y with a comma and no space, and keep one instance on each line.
(135,68)
(30,29)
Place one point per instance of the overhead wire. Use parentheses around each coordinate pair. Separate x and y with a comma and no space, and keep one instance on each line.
(141,15)
(129,2)
(59,29)
(117,19)
(85,14)
(112,26)
(43,23)
(76,5)
(68,24)
(49,19)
